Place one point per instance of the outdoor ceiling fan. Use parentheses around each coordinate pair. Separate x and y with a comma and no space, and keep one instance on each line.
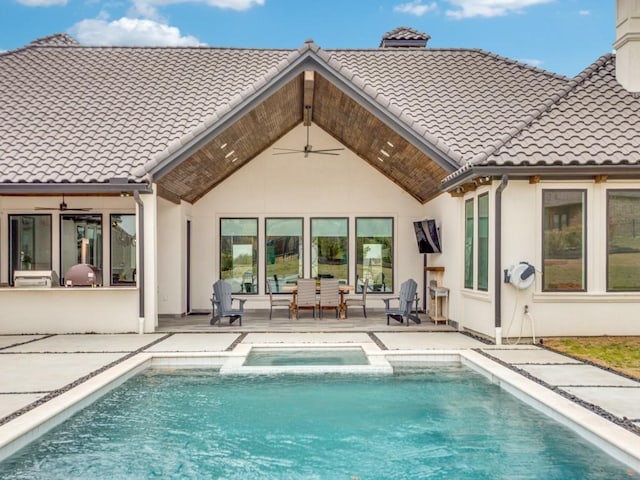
(62,207)
(308,148)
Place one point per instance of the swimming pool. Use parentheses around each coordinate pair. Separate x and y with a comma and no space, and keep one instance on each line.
(444,421)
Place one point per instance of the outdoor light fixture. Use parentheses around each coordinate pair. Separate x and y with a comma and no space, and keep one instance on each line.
(229,154)
(390,144)
(224,145)
(384,153)
(382,160)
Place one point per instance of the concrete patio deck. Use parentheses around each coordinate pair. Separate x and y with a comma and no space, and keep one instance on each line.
(34,369)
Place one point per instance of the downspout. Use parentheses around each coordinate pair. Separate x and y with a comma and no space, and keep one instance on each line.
(140,242)
(497,257)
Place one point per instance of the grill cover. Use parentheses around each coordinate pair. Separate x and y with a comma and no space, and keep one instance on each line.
(83,275)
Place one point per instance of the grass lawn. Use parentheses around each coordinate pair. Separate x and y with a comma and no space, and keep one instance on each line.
(618,353)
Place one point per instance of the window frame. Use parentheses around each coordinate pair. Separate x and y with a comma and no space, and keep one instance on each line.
(302,255)
(480,198)
(61,246)
(257,255)
(9,242)
(608,193)
(311,237)
(127,283)
(469,272)
(585,198)
(393,256)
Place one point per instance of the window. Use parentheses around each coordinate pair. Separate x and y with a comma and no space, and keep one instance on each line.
(330,248)
(483,242)
(468,243)
(563,244)
(623,240)
(29,243)
(283,257)
(239,254)
(81,241)
(374,254)
(123,249)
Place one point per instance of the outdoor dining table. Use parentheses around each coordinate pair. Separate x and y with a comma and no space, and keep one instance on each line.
(342,289)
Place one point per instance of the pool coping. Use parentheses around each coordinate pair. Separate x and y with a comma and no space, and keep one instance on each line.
(615,440)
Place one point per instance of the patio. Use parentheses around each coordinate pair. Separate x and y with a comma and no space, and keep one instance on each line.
(257,320)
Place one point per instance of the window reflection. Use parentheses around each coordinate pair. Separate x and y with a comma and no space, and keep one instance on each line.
(623,240)
(330,248)
(374,254)
(563,244)
(123,249)
(239,253)
(283,252)
(81,241)
(29,243)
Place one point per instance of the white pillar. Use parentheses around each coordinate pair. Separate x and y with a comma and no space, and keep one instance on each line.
(150,320)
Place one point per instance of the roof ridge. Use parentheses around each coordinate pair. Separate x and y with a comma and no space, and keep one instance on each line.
(522,64)
(542,109)
(56,39)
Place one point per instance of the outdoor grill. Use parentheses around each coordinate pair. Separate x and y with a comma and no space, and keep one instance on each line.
(83,275)
(35,278)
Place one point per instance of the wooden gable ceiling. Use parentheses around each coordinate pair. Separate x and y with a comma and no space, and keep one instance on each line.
(332,110)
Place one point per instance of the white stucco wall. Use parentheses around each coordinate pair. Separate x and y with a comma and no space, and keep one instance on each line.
(594,312)
(288,185)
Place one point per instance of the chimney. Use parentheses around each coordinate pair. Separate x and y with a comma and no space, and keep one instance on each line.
(627,44)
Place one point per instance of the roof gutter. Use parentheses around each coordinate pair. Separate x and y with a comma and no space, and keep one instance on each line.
(548,171)
(114,186)
(136,196)
(497,257)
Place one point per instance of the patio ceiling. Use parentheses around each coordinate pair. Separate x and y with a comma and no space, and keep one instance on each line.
(333,110)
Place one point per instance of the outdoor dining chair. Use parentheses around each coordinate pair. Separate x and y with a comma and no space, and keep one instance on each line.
(359,301)
(306,295)
(329,295)
(277,302)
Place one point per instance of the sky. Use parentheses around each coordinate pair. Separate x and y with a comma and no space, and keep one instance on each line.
(562,36)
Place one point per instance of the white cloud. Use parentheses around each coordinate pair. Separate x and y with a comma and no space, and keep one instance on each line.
(584,12)
(42,3)
(532,61)
(130,32)
(415,8)
(148,8)
(490,8)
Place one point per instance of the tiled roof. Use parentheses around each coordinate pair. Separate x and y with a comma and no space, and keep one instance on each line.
(593,121)
(86,114)
(465,98)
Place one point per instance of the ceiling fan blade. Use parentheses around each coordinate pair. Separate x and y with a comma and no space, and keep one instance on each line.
(327,150)
(289,149)
(288,153)
(322,152)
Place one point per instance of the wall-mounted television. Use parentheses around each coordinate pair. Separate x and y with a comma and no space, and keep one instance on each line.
(427,236)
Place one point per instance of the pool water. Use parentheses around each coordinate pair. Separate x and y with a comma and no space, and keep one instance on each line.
(261,357)
(444,422)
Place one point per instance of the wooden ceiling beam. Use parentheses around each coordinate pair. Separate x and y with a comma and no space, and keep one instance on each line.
(307,101)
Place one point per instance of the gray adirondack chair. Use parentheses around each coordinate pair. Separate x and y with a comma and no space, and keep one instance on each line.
(222,302)
(402,312)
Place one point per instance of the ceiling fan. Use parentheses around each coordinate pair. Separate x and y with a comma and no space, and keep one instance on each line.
(308,148)
(62,207)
